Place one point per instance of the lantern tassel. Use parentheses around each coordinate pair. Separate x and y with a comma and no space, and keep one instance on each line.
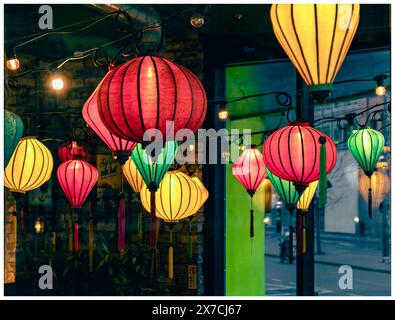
(370,198)
(251,221)
(171,272)
(323,178)
(291,243)
(76,230)
(121,223)
(153,221)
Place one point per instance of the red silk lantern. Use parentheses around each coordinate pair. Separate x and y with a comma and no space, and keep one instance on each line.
(146,92)
(77,178)
(71,150)
(301,154)
(250,170)
(121,148)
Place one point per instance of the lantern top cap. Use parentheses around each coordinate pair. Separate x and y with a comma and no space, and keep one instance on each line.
(27,137)
(300,124)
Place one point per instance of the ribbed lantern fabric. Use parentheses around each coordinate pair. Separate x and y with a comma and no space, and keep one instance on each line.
(203,191)
(77,178)
(153,169)
(13,130)
(307,196)
(177,198)
(121,148)
(293,153)
(316,38)
(249,169)
(70,150)
(285,189)
(132,175)
(146,92)
(267,187)
(366,146)
(30,166)
(380,184)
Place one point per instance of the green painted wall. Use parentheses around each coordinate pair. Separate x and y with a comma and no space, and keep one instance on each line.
(244,259)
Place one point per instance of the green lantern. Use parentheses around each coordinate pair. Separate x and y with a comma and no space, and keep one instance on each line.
(366,146)
(285,189)
(152,168)
(13,130)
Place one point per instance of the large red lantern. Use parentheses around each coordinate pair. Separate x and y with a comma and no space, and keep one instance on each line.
(77,178)
(121,148)
(70,150)
(299,153)
(147,92)
(250,170)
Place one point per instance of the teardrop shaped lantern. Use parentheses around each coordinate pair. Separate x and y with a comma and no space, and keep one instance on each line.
(70,150)
(307,196)
(13,130)
(121,148)
(285,189)
(249,170)
(77,178)
(152,168)
(147,92)
(30,166)
(316,38)
(132,175)
(366,146)
(177,198)
(380,184)
(301,154)
(203,190)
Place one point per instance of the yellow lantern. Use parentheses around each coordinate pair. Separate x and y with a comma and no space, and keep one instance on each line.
(307,196)
(203,191)
(133,176)
(380,184)
(177,198)
(316,38)
(30,166)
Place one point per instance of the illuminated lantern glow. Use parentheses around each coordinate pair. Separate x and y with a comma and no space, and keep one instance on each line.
(77,178)
(366,146)
(307,196)
(380,184)
(249,170)
(132,175)
(204,192)
(13,64)
(268,195)
(30,166)
(71,150)
(316,38)
(121,148)
(293,153)
(178,197)
(13,130)
(146,92)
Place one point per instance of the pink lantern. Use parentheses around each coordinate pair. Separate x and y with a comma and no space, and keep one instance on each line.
(70,150)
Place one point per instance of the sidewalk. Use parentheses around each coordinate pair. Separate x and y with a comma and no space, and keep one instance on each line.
(359,253)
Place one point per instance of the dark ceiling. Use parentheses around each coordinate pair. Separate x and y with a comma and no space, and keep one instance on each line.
(232,32)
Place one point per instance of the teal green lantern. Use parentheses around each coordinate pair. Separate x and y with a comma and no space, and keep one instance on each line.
(13,130)
(366,146)
(286,191)
(152,168)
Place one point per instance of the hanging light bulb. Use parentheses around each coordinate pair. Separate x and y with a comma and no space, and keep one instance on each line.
(223,114)
(197,20)
(39,226)
(13,64)
(380,88)
(57,82)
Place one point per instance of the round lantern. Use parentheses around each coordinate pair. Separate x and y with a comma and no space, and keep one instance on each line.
(13,130)
(77,178)
(70,150)
(30,166)
(307,197)
(147,92)
(132,175)
(178,197)
(366,146)
(249,169)
(121,148)
(316,38)
(380,185)
(203,190)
